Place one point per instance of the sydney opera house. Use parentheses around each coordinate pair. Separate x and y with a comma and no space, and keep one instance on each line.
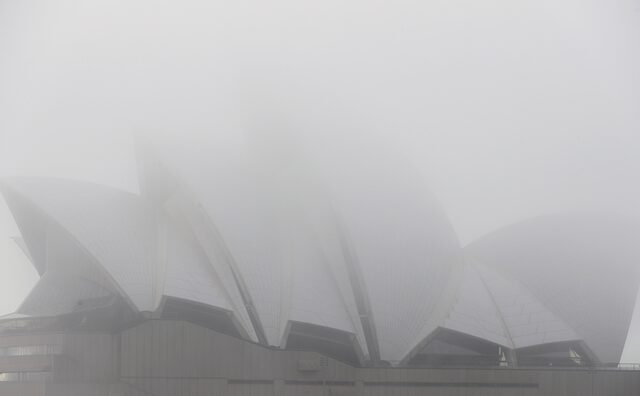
(253,275)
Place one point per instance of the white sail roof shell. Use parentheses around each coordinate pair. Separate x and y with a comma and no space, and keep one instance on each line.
(581,270)
(526,320)
(262,203)
(475,312)
(300,245)
(189,276)
(119,233)
(114,227)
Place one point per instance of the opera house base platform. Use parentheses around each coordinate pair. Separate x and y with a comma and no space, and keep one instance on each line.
(177,358)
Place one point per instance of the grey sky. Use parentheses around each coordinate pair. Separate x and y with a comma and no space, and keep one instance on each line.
(508,109)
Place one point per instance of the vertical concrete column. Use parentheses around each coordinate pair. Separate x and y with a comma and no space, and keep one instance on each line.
(512,358)
(224,387)
(213,387)
(278,387)
(359,388)
(116,357)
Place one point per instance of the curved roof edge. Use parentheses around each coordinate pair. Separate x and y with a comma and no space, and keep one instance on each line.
(568,263)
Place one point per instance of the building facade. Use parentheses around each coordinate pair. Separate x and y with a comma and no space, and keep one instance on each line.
(245,275)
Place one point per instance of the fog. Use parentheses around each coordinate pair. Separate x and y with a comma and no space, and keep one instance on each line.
(503,110)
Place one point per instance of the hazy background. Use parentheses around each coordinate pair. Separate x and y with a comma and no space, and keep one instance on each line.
(509,109)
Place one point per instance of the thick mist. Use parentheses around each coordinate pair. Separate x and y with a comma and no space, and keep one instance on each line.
(503,111)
